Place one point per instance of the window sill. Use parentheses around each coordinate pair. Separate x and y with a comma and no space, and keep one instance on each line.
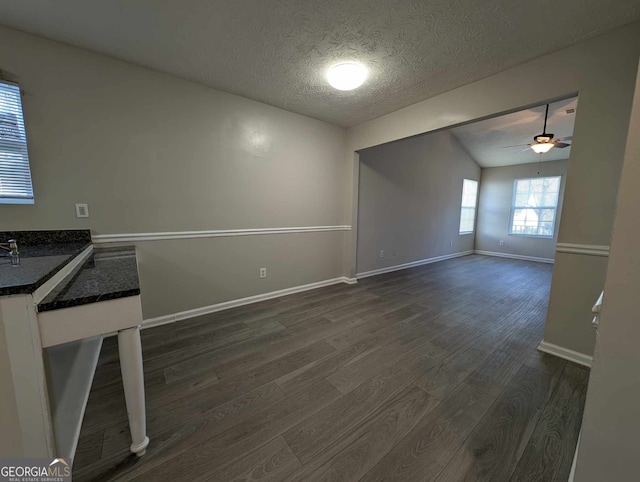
(465,233)
(530,236)
(16,201)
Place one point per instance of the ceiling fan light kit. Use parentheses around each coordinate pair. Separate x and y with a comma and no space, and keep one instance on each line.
(543,143)
(543,138)
(542,147)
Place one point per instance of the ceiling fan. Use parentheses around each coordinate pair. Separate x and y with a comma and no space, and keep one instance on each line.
(545,142)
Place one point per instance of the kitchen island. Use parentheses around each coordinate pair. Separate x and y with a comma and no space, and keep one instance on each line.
(55,307)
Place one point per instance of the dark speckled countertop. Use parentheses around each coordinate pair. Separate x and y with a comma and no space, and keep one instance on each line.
(42,254)
(108,274)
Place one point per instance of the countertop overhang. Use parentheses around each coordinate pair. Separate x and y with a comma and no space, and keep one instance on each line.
(107,274)
(42,255)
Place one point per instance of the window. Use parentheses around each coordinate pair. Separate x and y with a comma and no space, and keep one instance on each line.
(468,209)
(534,206)
(15,176)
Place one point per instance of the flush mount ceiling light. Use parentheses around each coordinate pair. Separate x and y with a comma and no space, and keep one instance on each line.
(347,76)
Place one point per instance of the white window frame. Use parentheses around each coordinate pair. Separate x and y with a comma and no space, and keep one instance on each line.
(555,208)
(474,207)
(14,157)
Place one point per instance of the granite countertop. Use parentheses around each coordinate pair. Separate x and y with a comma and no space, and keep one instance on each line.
(108,274)
(42,254)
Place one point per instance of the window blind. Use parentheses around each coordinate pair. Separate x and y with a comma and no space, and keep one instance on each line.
(15,175)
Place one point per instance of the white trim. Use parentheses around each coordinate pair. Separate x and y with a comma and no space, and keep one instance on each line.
(567,354)
(412,264)
(588,249)
(514,256)
(133,237)
(225,305)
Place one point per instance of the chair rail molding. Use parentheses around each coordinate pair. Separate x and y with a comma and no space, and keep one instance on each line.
(514,256)
(586,249)
(218,233)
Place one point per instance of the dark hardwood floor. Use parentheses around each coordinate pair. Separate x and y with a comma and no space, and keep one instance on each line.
(424,374)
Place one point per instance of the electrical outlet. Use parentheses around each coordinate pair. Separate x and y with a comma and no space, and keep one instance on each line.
(382,253)
(501,243)
(82,210)
(263,272)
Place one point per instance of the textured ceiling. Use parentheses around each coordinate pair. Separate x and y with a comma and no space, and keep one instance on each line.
(277,51)
(487,140)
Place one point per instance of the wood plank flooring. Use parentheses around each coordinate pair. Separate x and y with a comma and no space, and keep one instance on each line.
(426,374)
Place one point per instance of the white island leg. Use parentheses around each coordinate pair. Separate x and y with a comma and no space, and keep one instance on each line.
(130,350)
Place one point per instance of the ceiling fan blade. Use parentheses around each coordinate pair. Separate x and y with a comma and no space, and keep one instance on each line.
(517,145)
(526,148)
(561,145)
(569,138)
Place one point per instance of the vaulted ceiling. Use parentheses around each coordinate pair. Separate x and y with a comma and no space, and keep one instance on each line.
(503,140)
(277,51)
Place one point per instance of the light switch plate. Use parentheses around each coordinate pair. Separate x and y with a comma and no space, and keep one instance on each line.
(82,210)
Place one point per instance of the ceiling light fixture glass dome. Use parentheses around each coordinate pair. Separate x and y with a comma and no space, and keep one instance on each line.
(347,76)
(542,147)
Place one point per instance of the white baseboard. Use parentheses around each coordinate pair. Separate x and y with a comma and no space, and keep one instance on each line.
(205,310)
(412,264)
(559,351)
(515,256)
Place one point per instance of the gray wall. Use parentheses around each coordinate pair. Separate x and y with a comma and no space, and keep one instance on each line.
(410,196)
(494,210)
(603,71)
(609,442)
(81,106)
(152,153)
